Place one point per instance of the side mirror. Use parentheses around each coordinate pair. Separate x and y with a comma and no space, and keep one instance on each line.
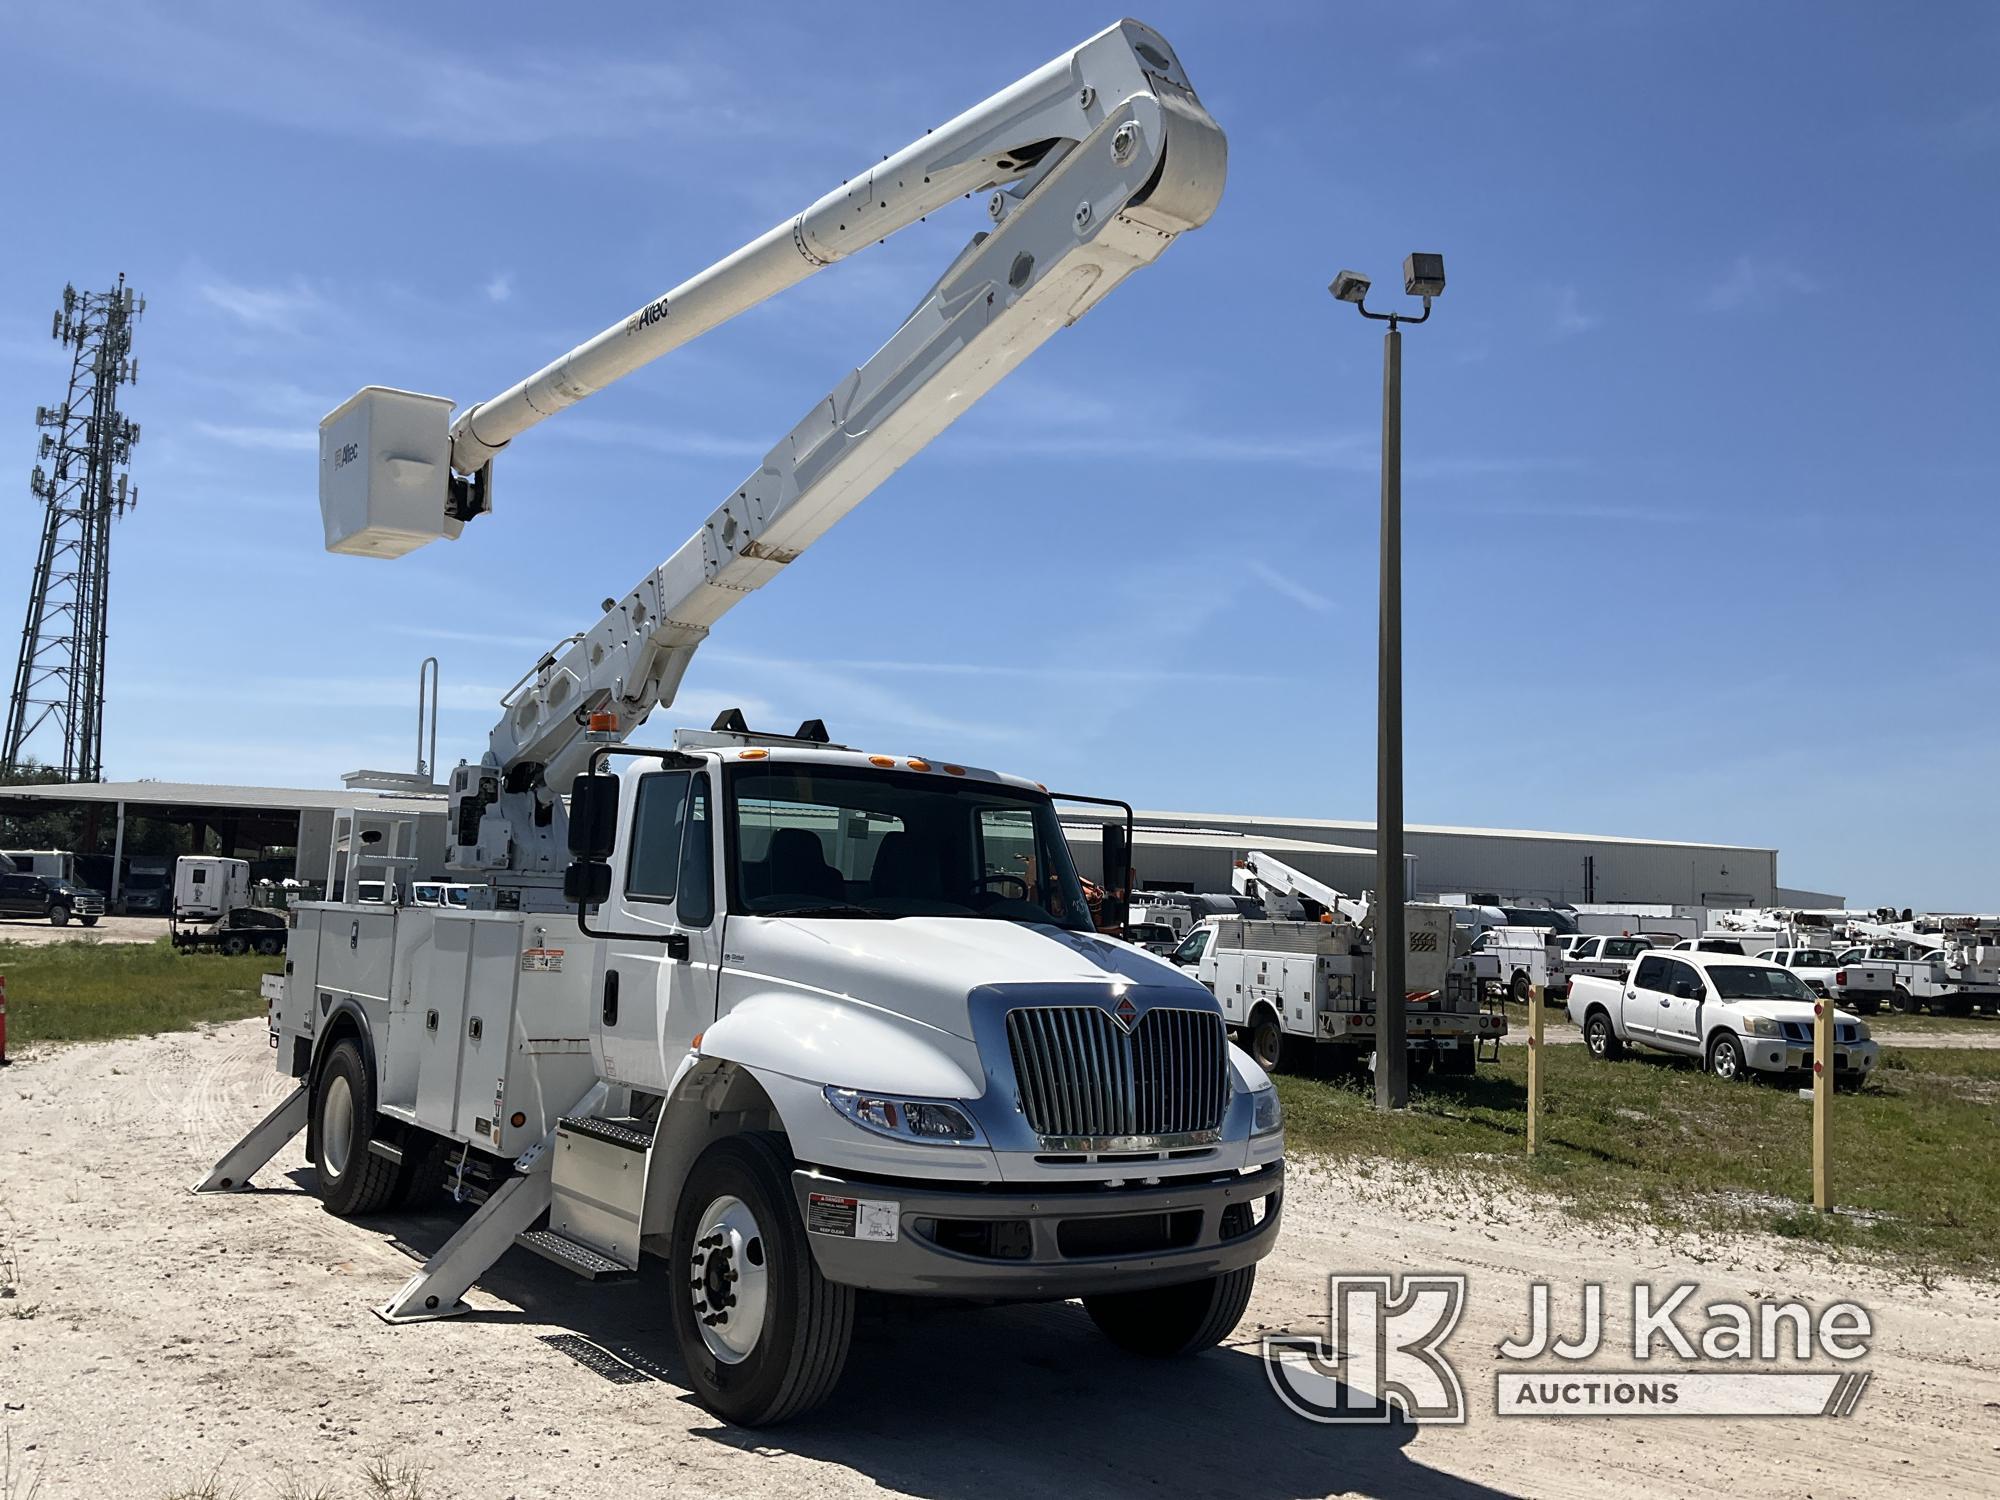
(1117,859)
(587,882)
(593,817)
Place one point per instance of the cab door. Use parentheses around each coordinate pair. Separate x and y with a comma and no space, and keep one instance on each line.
(657,968)
(1646,996)
(1680,1013)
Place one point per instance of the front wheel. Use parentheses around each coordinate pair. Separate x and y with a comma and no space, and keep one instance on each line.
(1170,1321)
(1725,1058)
(88,921)
(762,1334)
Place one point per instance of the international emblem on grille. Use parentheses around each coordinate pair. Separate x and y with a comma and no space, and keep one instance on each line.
(1126,1011)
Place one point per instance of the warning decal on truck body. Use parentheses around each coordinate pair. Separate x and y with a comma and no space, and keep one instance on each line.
(541,960)
(850,1218)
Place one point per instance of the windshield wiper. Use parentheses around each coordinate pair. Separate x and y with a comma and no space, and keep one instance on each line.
(829,909)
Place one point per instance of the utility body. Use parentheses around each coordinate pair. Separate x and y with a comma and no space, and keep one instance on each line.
(801,1019)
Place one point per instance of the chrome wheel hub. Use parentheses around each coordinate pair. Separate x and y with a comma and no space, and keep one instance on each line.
(729,1279)
(336,1137)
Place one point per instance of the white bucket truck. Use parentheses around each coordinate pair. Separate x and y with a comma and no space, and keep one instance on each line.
(797,1019)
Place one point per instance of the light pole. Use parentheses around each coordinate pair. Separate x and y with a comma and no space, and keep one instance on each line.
(1423,276)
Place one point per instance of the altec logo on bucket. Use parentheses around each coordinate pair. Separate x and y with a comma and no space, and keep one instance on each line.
(1386,1356)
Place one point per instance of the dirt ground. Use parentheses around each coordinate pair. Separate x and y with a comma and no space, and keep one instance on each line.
(39,932)
(156,1338)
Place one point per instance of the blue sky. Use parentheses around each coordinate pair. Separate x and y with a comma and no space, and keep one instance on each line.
(1700,466)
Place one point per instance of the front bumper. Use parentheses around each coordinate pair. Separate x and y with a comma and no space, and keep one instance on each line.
(1039,1244)
(1777,1055)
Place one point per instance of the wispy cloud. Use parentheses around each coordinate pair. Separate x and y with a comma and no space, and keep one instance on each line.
(1566,315)
(1755,280)
(265,309)
(371,82)
(261,439)
(1291,588)
(500,287)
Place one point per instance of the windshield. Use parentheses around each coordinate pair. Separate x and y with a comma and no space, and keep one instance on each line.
(1741,982)
(840,841)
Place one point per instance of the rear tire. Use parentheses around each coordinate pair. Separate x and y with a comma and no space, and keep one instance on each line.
(352,1179)
(1600,1038)
(270,947)
(1170,1321)
(1521,991)
(58,915)
(1267,1040)
(789,1358)
(1905,1001)
(235,946)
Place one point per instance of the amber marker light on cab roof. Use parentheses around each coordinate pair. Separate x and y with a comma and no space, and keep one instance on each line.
(881,760)
(752,754)
(917,765)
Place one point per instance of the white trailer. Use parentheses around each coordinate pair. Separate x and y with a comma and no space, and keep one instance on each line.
(207,888)
(801,1020)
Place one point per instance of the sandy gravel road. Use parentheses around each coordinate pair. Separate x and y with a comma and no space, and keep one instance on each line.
(173,1337)
(39,933)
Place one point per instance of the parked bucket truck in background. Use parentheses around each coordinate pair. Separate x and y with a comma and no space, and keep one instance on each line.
(801,1019)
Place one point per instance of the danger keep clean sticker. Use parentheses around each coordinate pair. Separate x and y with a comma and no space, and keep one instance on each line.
(850,1218)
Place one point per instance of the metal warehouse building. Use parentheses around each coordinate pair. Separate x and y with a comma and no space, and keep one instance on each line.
(1194,851)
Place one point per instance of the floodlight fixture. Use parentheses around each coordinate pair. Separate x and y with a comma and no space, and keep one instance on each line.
(1350,286)
(1423,275)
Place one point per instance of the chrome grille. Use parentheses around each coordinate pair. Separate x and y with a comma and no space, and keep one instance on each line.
(1081,1074)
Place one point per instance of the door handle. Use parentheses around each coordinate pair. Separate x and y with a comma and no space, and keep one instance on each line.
(611,997)
(1666,1002)
(678,945)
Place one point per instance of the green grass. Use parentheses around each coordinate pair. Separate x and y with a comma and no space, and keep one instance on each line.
(1654,1140)
(89,992)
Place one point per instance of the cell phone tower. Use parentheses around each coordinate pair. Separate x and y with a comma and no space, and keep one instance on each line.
(81,476)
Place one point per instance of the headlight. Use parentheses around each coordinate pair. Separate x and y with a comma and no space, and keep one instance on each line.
(930,1121)
(1268,1115)
(1765,1026)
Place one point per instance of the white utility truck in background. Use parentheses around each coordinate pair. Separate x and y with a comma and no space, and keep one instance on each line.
(1295,989)
(1517,959)
(800,1019)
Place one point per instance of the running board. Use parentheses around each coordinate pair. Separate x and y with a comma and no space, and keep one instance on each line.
(253,1153)
(571,1255)
(438,1290)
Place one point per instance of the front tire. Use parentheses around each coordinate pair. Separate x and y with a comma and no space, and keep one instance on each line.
(88,921)
(1725,1058)
(762,1334)
(1169,1321)
(352,1179)
(1600,1037)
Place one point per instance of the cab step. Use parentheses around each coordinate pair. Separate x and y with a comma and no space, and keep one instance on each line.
(591,1265)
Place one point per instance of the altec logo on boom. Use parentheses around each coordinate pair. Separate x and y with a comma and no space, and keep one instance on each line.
(1387,1357)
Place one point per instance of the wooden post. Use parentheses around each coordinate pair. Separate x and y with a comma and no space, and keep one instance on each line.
(1822,1119)
(1534,1067)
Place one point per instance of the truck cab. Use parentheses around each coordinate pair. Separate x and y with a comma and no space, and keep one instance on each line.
(847,1009)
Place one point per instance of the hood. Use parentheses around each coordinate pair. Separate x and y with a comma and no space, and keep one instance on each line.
(925,968)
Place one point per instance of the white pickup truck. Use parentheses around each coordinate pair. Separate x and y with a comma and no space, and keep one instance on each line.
(1605,957)
(1862,980)
(1738,1015)
(1816,966)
